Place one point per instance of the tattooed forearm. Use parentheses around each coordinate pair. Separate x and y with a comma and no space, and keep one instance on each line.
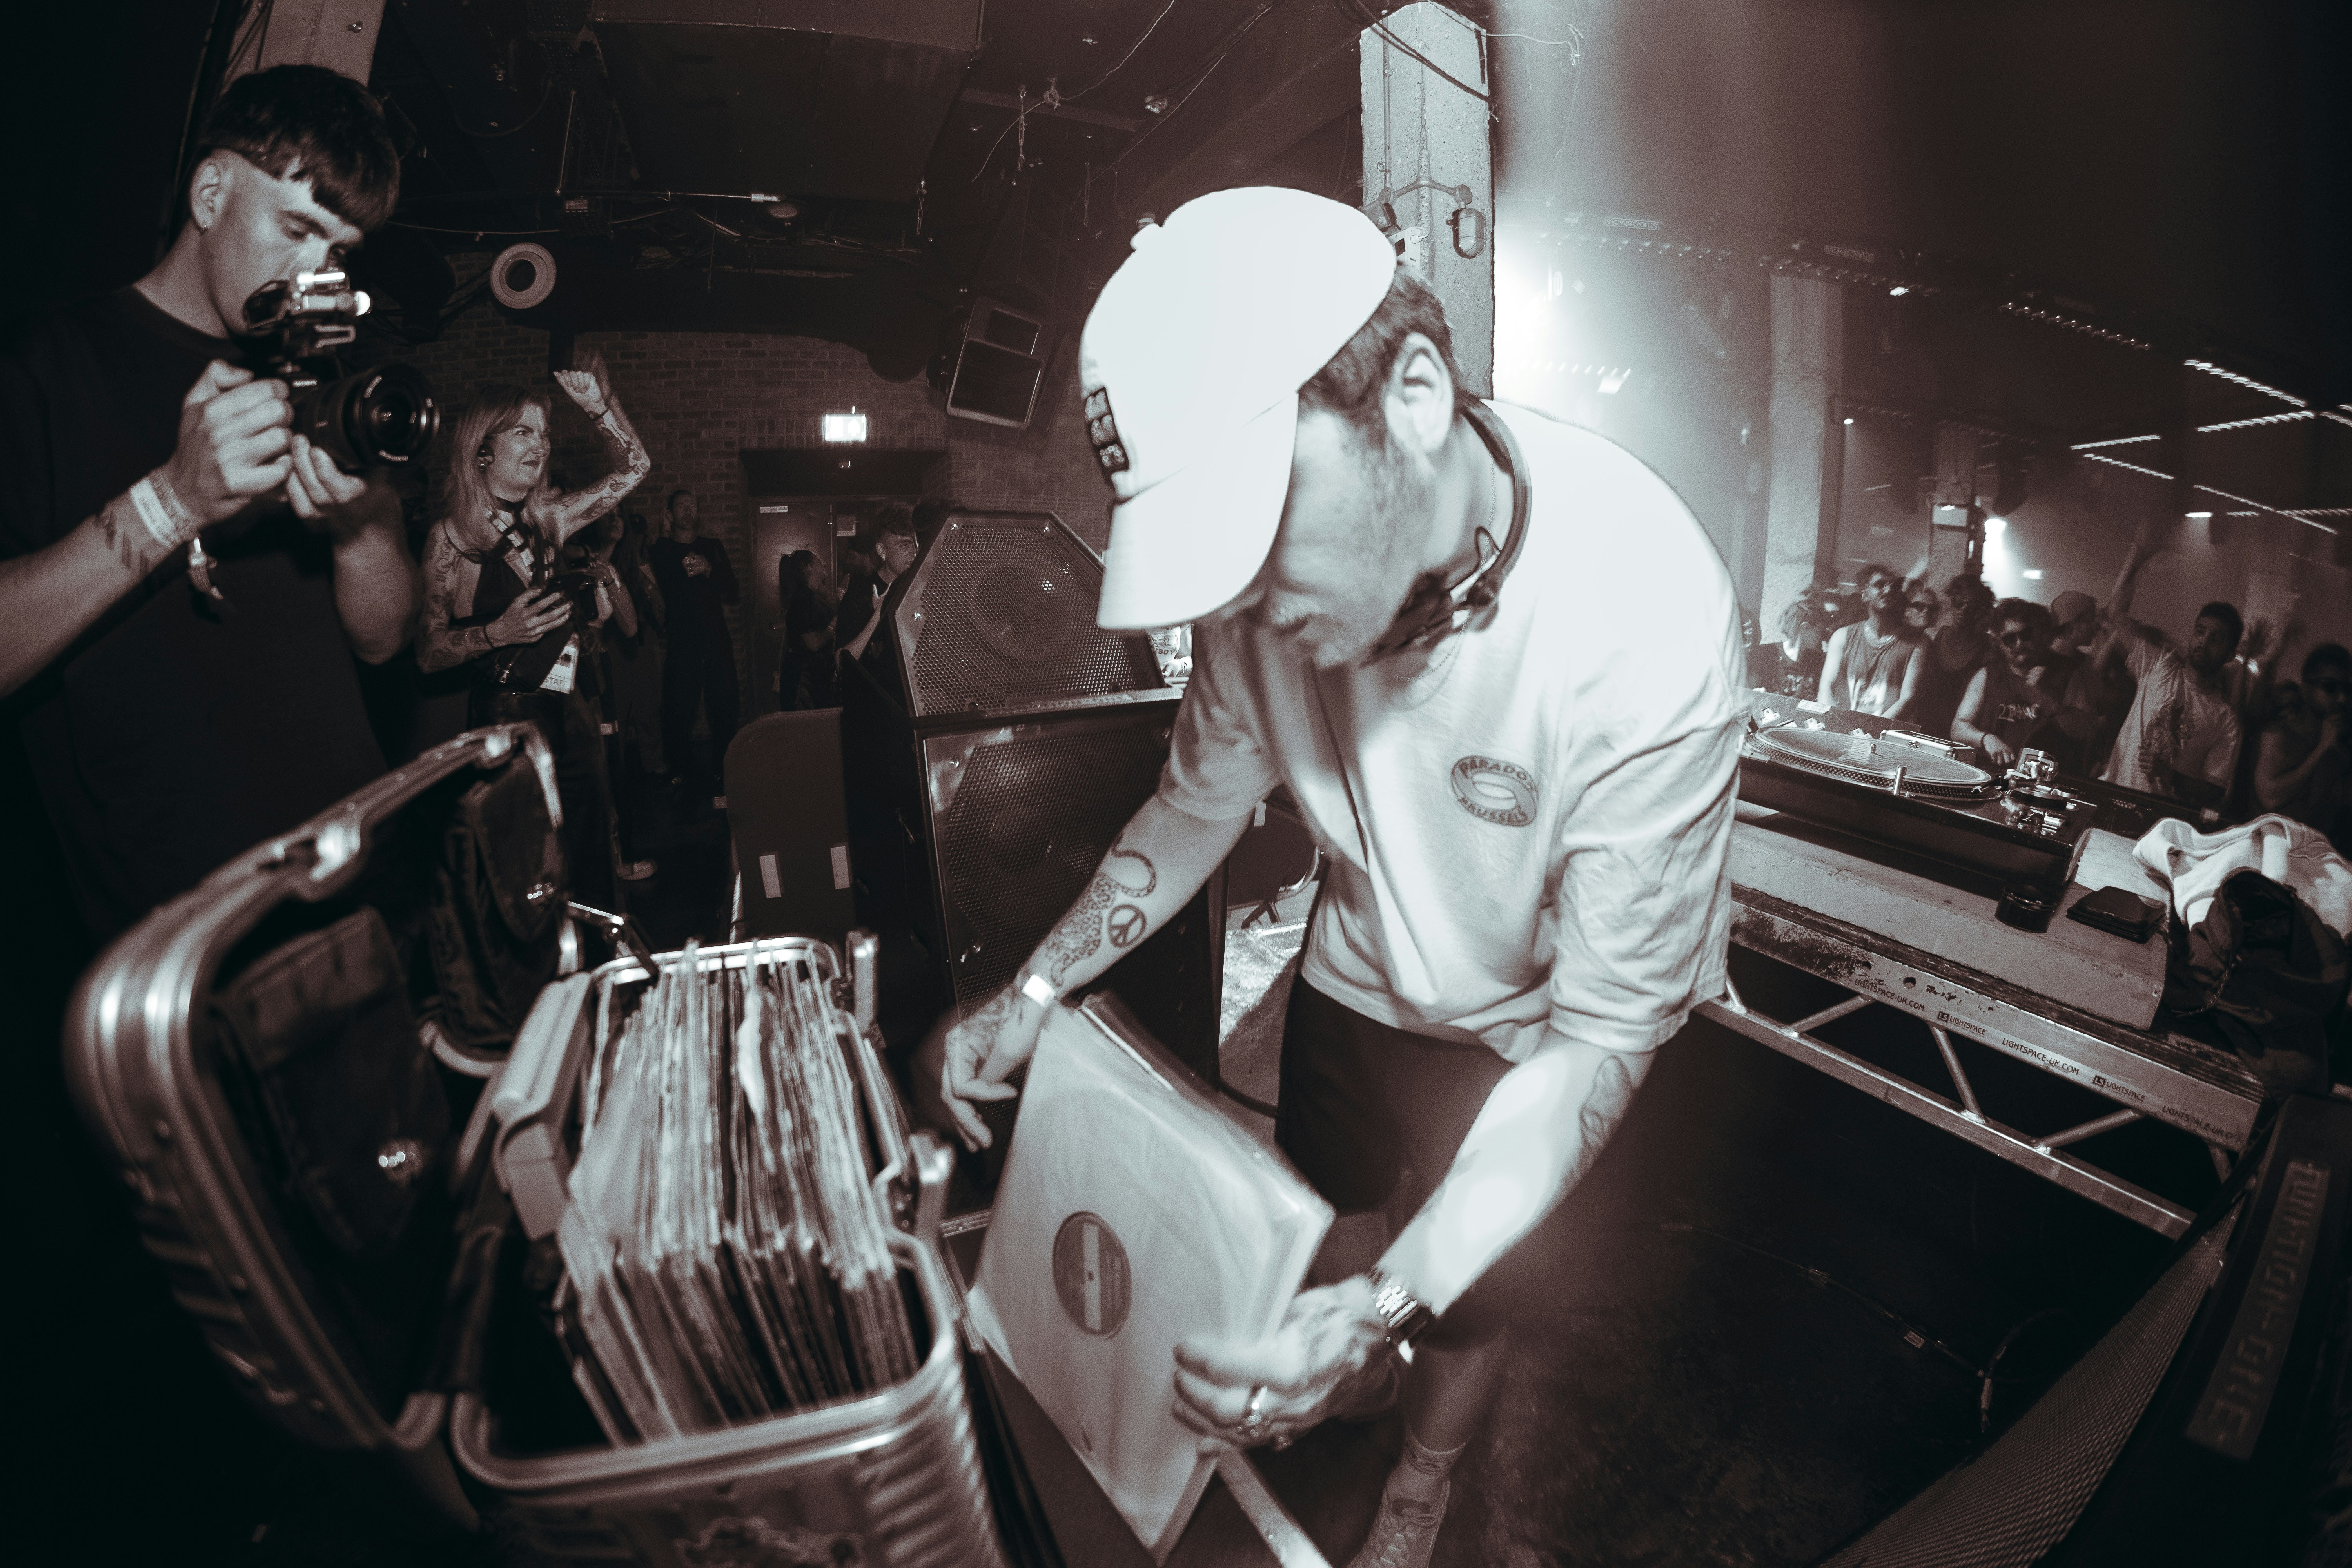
(439,645)
(630,466)
(1080,935)
(123,539)
(1604,1108)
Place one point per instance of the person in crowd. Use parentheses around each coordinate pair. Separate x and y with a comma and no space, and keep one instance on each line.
(493,602)
(1926,609)
(638,660)
(184,582)
(1791,667)
(1873,665)
(858,621)
(1495,958)
(2179,737)
(2092,696)
(2304,765)
(1953,655)
(604,643)
(698,583)
(806,680)
(2005,710)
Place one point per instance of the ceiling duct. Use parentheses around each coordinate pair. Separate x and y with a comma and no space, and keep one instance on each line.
(799,98)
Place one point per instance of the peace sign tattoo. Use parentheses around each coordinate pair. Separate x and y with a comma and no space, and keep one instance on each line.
(1125,926)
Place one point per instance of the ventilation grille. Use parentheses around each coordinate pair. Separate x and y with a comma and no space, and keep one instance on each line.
(1030,812)
(1001,616)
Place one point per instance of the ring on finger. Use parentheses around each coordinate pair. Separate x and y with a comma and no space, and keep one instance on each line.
(1251,1425)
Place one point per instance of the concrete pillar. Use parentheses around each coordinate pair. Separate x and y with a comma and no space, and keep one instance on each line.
(1953,549)
(1799,530)
(1427,153)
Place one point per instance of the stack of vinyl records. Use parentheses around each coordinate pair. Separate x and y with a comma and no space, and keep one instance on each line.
(728,1248)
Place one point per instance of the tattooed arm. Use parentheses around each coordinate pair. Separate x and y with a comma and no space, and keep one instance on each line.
(1156,863)
(591,389)
(232,447)
(450,581)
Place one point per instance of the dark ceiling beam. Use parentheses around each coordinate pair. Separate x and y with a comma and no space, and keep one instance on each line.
(1294,72)
(1034,106)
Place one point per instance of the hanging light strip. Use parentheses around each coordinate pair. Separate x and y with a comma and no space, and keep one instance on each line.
(2135,468)
(2257,420)
(2210,368)
(2073,324)
(2115,441)
(2339,418)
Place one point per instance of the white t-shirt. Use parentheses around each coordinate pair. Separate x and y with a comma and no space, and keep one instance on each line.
(2172,721)
(1527,824)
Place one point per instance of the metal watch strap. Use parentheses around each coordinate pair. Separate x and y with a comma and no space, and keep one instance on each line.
(1403,1314)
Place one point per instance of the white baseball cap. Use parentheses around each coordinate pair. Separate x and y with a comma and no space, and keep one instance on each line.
(1191,366)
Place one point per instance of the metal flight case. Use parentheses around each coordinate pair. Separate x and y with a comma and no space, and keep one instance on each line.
(357,1225)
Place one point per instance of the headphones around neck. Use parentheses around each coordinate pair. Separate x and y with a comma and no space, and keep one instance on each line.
(1437,610)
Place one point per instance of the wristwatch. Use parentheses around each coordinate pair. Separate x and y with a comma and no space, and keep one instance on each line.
(1403,1318)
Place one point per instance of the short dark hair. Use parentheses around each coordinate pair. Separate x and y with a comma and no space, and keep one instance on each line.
(671,504)
(1350,385)
(2222,610)
(894,519)
(2033,617)
(316,122)
(2326,656)
(1871,569)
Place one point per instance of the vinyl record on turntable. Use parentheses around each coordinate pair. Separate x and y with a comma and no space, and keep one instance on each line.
(1134,1212)
(1926,770)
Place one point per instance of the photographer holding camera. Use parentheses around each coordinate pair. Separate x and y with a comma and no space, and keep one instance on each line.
(183,579)
(495,599)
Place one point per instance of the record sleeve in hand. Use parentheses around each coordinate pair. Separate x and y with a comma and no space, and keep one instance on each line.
(1135,1211)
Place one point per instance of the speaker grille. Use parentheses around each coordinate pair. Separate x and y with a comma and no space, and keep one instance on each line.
(1028,814)
(2007,1506)
(1001,615)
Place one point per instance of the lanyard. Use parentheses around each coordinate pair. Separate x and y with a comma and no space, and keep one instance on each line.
(520,554)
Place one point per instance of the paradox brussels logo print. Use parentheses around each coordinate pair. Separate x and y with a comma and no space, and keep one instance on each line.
(1494,791)
(1090,1274)
(1102,429)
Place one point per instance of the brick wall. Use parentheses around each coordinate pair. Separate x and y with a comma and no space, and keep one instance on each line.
(699,399)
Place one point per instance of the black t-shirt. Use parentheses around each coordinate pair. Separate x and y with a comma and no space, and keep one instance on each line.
(693,603)
(176,732)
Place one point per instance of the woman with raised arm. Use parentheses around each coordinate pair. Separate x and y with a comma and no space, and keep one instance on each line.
(495,600)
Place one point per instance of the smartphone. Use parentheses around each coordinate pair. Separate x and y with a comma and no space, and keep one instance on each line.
(2132,916)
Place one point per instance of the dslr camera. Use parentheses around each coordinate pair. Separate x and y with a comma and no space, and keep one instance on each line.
(381,415)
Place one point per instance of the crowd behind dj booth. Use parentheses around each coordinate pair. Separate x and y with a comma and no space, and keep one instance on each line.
(2226,720)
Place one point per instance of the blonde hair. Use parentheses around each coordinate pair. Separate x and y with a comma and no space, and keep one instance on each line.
(467,488)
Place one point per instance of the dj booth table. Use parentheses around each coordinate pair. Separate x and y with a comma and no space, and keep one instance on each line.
(1891,935)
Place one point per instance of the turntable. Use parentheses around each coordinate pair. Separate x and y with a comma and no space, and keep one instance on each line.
(2015,838)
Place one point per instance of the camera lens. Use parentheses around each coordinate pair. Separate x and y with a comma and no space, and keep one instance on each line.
(381,416)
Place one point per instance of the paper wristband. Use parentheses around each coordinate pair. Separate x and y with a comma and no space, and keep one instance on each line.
(159,509)
(1039,989)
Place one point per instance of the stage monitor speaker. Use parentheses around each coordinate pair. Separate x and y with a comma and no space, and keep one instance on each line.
(994,755)
(2211,1424)
(1000,366)
(997,619)
(785,97)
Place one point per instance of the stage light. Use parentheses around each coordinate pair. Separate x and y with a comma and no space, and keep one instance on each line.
(1848,418)
(1997,526)
(1897,291)
(849,427)
(2032,573)
(2200,516)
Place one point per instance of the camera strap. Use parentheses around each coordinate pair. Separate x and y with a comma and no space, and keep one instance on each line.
(521,557)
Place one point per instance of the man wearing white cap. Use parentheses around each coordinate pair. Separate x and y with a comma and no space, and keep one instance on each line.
(1521,778)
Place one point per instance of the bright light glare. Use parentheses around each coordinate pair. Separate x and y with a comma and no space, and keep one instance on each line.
(1995,527)
(1897,291)
(2033,574)
(849,427)
(2200,516)
(1848,418)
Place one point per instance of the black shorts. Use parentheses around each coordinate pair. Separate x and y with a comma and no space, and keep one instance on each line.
(1360,1100)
